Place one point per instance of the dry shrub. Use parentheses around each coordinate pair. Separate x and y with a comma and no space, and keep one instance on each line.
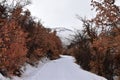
(23,40)
(13,48)
(103,45)
(42,41)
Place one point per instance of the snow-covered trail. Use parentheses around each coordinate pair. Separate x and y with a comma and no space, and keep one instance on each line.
(60,69)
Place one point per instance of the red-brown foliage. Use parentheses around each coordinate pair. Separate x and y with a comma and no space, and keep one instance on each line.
(23,40)
(102,39)
(42,41)
(13,47)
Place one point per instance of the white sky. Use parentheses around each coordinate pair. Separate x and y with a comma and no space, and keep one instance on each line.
(61,13)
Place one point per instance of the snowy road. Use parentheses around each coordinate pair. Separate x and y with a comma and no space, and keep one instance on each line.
(60,69)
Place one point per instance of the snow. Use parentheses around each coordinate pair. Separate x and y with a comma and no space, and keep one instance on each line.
(60,69)
(3,78)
